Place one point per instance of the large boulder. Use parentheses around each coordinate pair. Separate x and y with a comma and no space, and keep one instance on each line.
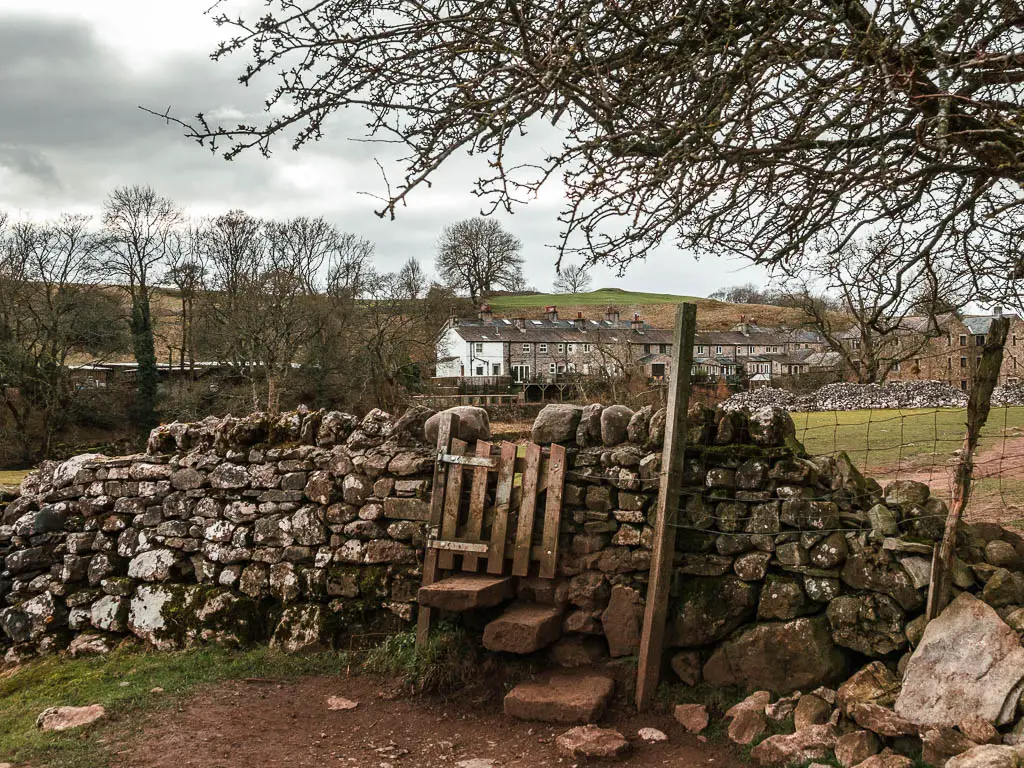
(871,624)
(874,684)
(778,656)
(588,433)
(303,628)
(969,662)
(876,571)
(556,423)
(812,743)
(709,608)
(615,424)
(159,613)
(474,424)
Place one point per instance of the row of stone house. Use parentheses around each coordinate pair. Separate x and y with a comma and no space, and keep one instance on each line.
(952,353)
(550,350)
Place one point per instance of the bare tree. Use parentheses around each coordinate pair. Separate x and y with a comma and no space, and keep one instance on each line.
(264,295)
(572,279)
(51,306)
(772,130)
(411,279)
(873,308)
(139,227)
(478,255)
(187,273)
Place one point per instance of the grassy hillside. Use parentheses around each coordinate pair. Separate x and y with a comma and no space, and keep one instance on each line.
(604,296)
(658,309)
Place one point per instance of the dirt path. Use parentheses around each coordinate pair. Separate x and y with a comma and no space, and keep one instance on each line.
(264,724)
(998,471)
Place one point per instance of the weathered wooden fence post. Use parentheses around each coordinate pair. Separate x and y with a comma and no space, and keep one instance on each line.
(652,640)
(978,405)
(448,428)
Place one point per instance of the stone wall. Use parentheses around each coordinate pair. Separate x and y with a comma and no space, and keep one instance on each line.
(789,571)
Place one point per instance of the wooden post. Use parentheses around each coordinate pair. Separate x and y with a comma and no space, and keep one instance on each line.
(652,640)
(449,426)
(940,588)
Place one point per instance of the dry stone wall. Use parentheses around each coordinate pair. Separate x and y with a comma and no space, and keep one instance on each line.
(790,571)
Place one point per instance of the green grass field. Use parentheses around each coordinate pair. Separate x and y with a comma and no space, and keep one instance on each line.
(909,438)
(921,445)
(602,296)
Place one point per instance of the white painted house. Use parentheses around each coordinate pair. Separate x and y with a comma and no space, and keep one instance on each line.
(459,356)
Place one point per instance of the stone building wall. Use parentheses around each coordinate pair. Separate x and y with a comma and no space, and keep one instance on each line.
(301,531)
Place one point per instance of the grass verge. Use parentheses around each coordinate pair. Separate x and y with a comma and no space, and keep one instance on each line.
(123,683)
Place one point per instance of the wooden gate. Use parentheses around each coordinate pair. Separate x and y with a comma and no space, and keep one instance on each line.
(493,513)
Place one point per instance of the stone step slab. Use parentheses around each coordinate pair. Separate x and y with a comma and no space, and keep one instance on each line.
(570,698)
(466,592)
(524,628)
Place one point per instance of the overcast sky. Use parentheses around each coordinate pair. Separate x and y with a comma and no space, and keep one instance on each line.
(73,73)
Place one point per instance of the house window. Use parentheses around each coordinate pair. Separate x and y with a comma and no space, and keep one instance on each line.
(963,340)
(520,373)
(526,347)
(700,349)
(561,348)
(496,369)
(479,370)
(479,348)
(587,347)
(552,368)
(542,348)
(855,343)
(647,349)
(949,362)
(570,348)
(663,348)
(963,362)
(718,350)
(963,384)
(979,341)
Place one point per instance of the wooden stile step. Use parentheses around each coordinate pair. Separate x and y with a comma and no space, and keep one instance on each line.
(466,592)
(524,628)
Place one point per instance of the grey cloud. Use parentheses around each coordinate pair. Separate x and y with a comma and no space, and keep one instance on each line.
(31,164)
(71,130)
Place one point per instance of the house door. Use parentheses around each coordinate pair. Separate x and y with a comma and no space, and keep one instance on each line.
(520,373)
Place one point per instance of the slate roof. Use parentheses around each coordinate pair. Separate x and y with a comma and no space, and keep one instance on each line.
(979,325)
(560,331)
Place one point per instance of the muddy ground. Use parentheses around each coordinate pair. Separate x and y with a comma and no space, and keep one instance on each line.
(259,723)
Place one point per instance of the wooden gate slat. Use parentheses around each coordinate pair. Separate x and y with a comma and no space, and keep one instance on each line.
(452,499)
(477,500)
(524,532)
(424,615)
(552,512)
(502,501)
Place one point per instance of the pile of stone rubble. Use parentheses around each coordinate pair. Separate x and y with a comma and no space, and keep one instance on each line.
(956,704)
(1008,394)
(854,397)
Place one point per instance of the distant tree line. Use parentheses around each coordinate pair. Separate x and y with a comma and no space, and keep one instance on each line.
(290,310)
